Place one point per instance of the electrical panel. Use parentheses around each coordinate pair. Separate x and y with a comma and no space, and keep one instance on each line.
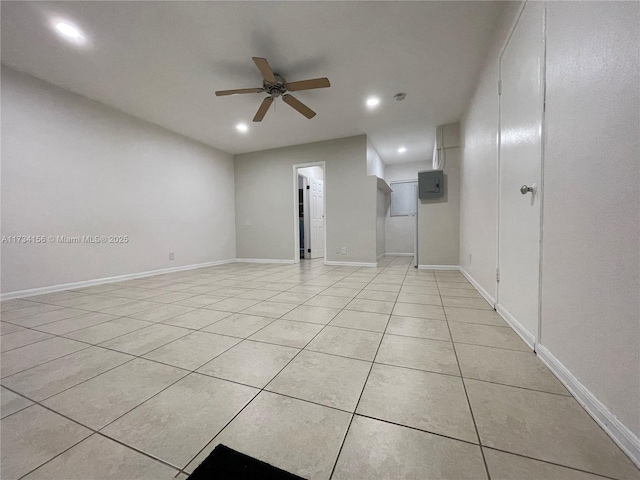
(431,184)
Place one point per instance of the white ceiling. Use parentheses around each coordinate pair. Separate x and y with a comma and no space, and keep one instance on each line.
(162,62)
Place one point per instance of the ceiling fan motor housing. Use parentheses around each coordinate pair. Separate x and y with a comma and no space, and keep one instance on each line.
(276,89)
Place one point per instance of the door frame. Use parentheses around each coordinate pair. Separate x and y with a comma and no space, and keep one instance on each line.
(305,212)
(543,83)
(296,225)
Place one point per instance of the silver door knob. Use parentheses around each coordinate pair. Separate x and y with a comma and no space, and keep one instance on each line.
(524,189)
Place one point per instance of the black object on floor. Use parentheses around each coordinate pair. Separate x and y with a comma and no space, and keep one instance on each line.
(225,463)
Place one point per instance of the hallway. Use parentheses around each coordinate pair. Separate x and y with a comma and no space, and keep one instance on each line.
(324,371)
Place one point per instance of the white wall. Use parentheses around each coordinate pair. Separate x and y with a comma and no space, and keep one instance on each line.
(311,172)
(71,166)
(590,304)
(478,168)
(375,165)
(264,196)
(591,243)
(400,231)
(382,207)
(439,219)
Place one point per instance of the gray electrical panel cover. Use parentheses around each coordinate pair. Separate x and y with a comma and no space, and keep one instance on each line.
(431,184)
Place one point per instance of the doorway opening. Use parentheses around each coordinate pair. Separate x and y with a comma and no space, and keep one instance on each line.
(309,218)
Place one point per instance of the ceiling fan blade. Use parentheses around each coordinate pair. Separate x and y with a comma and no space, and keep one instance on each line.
(298,105)
(265,69)
(308,84)
(262,111)
(221,93)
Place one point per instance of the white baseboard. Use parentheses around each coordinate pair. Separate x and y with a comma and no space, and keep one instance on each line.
(393,254)
(98,281)
(438,267)
(265,260)
(526,336)
(349,264)
(624,438)
(488,297)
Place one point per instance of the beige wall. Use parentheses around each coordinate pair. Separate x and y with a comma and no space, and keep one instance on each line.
(71,166)
(439,219)
(590,307)
(264,197)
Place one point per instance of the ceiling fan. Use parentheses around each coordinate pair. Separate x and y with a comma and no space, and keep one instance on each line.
(276,86)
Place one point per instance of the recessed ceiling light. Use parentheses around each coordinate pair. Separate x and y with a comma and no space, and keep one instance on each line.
(372,101)
(242,127)
(70,32)
(402,150)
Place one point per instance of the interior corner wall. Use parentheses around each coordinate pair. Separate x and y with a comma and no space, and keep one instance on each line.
(264,199)
(400,231)
(591,201)
(375,166)
(74,167)
(439,219)
(382,206)
(478,168)
(312,172)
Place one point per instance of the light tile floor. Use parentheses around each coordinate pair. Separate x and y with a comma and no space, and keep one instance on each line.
(328,372)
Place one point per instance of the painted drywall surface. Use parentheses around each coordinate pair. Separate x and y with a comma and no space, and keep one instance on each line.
(264,198)
(591,238)
(447,136)
(400,231)
(439,219)
(375,165)
(71,166)
(382,205)
(478,183)
(312,172)
(478,168)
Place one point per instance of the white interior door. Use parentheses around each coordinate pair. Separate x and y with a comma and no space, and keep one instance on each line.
(521,109)
(317,218)
(415,234)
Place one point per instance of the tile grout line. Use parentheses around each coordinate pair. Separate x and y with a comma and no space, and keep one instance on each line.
(551,463)
(364,385)
(97,375)
(280,371)
(191,330)
(92,430)
(241,340)
(260,390)
(464,386)
(118,336)
(62,335)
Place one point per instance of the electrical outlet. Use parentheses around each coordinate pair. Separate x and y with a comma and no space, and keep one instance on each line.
(344,250)
(248,222)
(338,250)
(469,258)
(172,256)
